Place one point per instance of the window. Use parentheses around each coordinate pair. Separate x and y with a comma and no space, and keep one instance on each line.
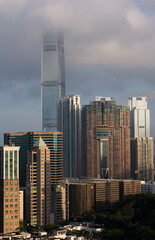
(16,222)
(6,217)
(11,228)
(11,222)
(11,211)
(6,229)
(11,194)
(6,223)
(6,183)
(6,211)
(16,205)
(6,189)
(11,188)
(11,164)
(16,211)
(16,194)
(6,200)
(6,164)
(16,188)
(16,216)
(11,217)
(11,205)
(11,199)
(11,183)
(16,199)
(6,206)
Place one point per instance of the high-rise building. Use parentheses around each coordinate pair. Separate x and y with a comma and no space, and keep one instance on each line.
(38,187)
(53,78)
(142,158)
(9,189)
(105,140)
(139,117)
(69,122)
(26,140)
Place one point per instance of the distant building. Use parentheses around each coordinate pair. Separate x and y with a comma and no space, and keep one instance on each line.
(9,189)
(69,122)
(26,140)
(148,187)
(53,78)
(86,196)
(139,117)
(142,166)
(105,139)
(38,188)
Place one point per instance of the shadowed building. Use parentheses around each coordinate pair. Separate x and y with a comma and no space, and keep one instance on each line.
(9,189)
(105,139)
(69,122)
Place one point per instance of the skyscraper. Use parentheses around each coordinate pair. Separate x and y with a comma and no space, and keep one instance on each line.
(38,188)
(105,140)
(26,140)
(9,189)
(53,78)
(142,158)
(139,117)
(69,122)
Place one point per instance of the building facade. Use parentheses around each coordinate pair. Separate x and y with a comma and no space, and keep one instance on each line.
(84,196)
(53,78)
(26,140)
(105,140)
(139,117)
(9,189)
(142,166)
(69,122)
(38,188)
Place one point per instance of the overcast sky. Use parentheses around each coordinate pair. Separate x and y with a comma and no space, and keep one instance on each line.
(109,51)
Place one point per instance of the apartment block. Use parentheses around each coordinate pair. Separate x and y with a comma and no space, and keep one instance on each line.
(105,139)
(38,188)
(9,189)
(142,166)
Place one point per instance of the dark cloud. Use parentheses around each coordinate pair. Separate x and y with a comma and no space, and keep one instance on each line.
(109,50)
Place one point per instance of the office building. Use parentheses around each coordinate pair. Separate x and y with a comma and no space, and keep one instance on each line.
(53,78)
(69,122)
(142,166)
(148,187)
(105,140)
(38,187)
(85,196)
(139,117)
(9,189)
(21,205)
(26,140)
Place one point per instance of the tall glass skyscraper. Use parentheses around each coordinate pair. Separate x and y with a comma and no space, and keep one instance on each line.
(53,78)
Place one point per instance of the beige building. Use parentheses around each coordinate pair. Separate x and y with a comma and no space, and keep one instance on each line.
(9,189)
(142,158)
(21,205)
(38,188)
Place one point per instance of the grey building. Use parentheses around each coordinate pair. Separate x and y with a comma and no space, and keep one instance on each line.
(53,78)
(139,117)
(69,122)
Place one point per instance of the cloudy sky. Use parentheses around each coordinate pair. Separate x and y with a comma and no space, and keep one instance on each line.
(109,51)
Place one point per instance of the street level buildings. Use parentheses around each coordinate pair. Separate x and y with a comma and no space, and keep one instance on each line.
(139,117)
(69,122)
(86,196)
(52,78)
(38,187)
(9,189)
(105,139)
(26,140)
(142,166)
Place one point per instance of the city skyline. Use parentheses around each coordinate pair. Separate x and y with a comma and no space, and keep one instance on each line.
(108,51)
